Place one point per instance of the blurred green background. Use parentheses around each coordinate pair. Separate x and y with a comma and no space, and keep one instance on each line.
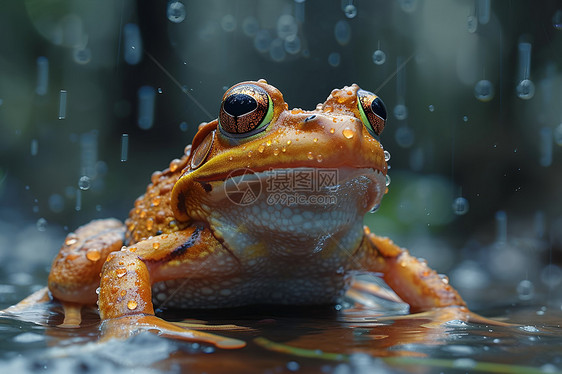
(467,132)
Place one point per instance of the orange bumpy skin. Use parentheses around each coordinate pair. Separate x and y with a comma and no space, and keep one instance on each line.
(266,206)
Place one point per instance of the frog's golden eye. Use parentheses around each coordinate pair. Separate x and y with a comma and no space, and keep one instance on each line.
(372,111)
(246,110)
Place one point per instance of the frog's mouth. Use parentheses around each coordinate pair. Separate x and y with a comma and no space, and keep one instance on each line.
(294,210)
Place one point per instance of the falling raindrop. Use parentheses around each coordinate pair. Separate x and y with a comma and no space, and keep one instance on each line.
(124,147)
(132,44)
(484,90)
(431,108)
(408,6)
(526,89)
(287,26)
(228,23)
(501,226)
(78,205)
(62,104)
(146,96)
(250,26)
(379,57)
(404,136)
(400,112)
(460,206)
(350,11)
(41,224)
(277,50)
(465,118)
(557,19)
(334,59)
(483,7)
(34,147)
(546,140)
(262,41)
(42,75)
(299,10)
(56,203)
(472,24)
(551,275)
(176,11)
(82,55)
(526,290)
(342,32)
(84,183)
(293,45)
(558,135)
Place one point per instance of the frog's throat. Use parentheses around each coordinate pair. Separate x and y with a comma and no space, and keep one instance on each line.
(288,212)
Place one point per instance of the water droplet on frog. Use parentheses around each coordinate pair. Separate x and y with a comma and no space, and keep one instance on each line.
(310,156)
(93,255)
(375,208)
(41,224)
(319,158)
(460,206)
(132,305)
(332,130)
(350,11)
(175,11)
(155,245)
(386,156)
(525,89)
(340,270)
(400,112)
(526,290)
(484,90)
(348,133)
(84,183)
(387,180)
(379,57)
(261,148)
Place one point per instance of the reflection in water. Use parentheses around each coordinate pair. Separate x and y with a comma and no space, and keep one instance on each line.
(369,330)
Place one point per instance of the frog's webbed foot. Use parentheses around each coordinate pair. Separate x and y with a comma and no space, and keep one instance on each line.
(124,327)
(125,304)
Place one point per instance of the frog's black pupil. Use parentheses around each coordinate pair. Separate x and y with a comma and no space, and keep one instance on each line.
(377,106)
(239,104)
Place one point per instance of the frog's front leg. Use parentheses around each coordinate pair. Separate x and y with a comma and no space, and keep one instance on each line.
(412,280)
(125,295)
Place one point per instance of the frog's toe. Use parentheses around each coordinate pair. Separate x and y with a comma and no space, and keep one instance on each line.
(439,316)
(124,327)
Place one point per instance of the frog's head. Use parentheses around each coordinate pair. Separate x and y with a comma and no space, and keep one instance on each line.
(262,173)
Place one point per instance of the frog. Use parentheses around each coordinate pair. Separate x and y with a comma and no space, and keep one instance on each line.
(266,206)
